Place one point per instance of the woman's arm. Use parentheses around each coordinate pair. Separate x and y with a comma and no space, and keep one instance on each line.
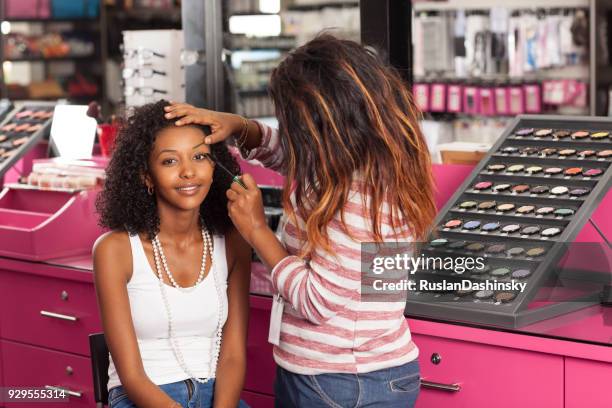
(231,367)
(111,275)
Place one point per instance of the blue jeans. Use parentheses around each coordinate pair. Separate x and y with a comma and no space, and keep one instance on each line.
(189,393)
(395,387)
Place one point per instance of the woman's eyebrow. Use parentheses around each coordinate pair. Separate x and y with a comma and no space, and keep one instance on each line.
(166,151)
(198,145)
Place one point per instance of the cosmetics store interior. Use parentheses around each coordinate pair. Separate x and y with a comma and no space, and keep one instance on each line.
(516,102)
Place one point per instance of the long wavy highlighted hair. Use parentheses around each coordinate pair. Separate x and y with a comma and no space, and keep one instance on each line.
(342,111)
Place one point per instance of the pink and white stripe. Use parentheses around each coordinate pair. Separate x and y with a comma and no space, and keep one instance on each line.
(325,326)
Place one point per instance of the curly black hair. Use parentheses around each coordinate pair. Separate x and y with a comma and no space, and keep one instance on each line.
(124,204)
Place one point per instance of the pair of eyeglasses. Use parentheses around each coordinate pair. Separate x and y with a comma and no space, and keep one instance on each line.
(141,72)
(143,53)
(144,91)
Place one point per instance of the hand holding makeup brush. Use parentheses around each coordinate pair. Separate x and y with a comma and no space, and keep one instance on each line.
(245,208)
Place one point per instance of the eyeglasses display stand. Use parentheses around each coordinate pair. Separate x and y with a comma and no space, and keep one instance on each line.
(521,210)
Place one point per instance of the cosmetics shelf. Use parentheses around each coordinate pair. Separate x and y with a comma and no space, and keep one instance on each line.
(521,199)
(21,130)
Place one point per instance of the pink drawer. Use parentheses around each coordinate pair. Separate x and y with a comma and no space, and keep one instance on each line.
(486,376)
(261,369)
(30,366)
(256,400)
(587,383)
(53,313)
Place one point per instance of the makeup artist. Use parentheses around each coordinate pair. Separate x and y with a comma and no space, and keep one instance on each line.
(357,169)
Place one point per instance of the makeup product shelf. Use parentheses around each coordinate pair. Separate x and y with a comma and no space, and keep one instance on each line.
(520,208)
(21,129)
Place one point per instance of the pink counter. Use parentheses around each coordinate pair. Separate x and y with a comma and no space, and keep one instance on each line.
(47,310)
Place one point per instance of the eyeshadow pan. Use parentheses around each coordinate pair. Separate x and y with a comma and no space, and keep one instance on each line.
(525,209)
(536,251)
(573,171)
(553,170)
(496,249)
(564,212)
(22,127)
(581,134)
(3,138)
(586,153)
(549,151)
(509,149)
(510,228)
(545,210)
(471,225)
(34,128)
(453,224)
(516,251)
(524,132)
(592,172)
(20,141)
(463,292)
(515,168)
(567,152)
(495,167)
(521,188)
(500,272)
(521,273)
(490,226)
(529,150)
(561,134)
(559,190)
(504,297)
(550,232)
(483,294)
(540,189)
(599,135)
(533,169)
(9,127)
(543,132)
(468,204)
(505,207)
(501,187)
(23,114)
(438,242)
(483,185)
(530,230)
(605,153)
(475,247)
(579,192)
(457,244)
(486,205)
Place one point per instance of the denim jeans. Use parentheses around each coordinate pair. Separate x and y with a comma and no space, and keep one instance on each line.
(395,387)
(189,393)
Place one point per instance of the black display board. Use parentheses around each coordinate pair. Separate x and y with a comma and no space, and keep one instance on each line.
(520,207)
(21,129)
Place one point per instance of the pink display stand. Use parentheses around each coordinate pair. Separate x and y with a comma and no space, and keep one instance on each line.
(38,225)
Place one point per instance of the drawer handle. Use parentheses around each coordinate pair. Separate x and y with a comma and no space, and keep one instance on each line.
(58,316)
(66,390)
(439,386)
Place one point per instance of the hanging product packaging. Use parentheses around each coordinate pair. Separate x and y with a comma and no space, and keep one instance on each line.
(471,100)
(437,97)
(501,100)
(421,96)
(487,101)
(516,100)
(454,98)
(533,99)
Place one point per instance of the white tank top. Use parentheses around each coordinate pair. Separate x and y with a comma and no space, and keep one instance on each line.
(194,318)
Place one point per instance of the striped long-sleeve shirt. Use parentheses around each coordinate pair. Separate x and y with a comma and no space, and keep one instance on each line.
(326,328)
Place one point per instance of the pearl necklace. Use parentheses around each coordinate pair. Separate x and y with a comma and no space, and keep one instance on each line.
(207,246)
(158,253)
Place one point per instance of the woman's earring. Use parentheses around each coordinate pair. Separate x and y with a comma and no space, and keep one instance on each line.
(150,190)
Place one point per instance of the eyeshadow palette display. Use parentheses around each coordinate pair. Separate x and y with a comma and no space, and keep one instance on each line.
(22,128)
(525,200)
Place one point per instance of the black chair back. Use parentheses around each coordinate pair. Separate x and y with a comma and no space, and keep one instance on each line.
(99,367)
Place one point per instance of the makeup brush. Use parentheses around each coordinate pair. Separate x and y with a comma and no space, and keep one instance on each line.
(235,178)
